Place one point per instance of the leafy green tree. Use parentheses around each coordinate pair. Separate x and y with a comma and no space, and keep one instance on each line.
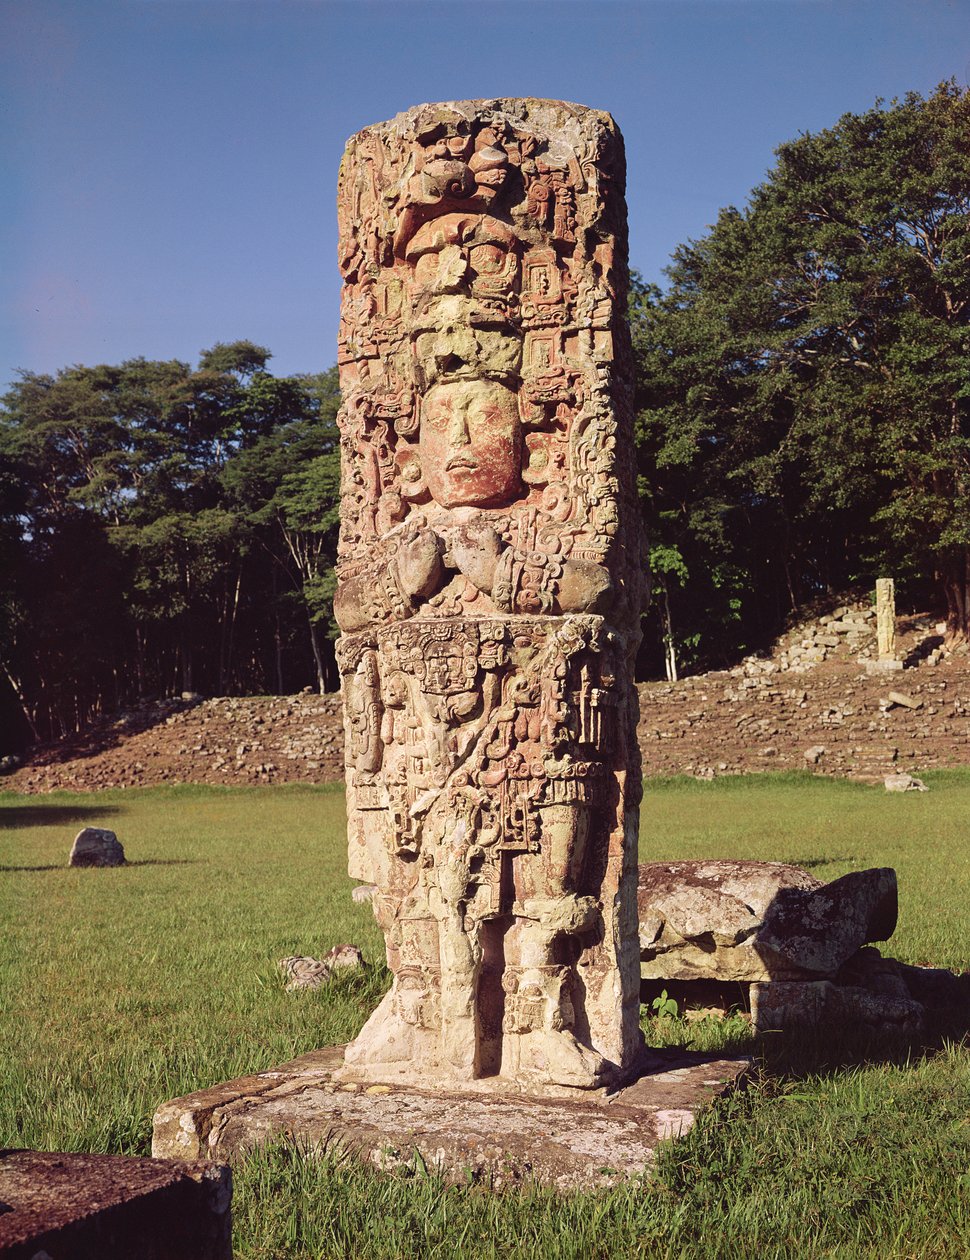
(64,449)
(286,484)
(162,528)
(804,408)
(699,544)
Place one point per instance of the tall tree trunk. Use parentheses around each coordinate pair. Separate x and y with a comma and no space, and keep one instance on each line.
(185,658)
(670,655)
(317,656)
(278,643)
(226,672)
(22,701)
(956,584)
(140,662)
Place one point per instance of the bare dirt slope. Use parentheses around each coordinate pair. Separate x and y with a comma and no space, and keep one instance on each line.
(253,739)
(811,696)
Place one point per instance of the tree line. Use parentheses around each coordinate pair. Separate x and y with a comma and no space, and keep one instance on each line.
(804,386)
(165,529)
(803,426)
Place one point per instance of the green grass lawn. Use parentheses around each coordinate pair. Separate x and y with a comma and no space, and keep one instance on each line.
(122,988)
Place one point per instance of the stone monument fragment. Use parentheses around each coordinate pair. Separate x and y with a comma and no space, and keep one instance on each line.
(69,1206)
(886,619)
(302,972)
(489,590)
(886,660)
(96,846)
(795,950)
(757,921)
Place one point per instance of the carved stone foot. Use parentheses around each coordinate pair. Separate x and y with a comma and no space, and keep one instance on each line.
(557,1057)
(387,1038)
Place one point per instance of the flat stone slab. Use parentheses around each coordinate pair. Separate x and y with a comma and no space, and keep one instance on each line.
(112,1207)
(504,1140)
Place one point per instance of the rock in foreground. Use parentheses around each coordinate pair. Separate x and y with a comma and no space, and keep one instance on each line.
(757,921)
(77,1207)
(797,946)
(96,846)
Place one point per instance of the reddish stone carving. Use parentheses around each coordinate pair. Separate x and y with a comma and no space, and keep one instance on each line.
(489,591)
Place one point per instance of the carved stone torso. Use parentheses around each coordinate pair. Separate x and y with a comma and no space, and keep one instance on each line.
(489,589)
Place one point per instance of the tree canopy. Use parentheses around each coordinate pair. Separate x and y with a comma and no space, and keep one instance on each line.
(155,526)
(805,381)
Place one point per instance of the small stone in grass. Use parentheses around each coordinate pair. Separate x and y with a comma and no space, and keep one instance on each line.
(96,846)
(302,972)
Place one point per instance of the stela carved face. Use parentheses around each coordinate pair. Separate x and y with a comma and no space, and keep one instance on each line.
(470,444)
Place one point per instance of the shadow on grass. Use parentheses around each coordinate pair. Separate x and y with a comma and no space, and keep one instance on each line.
(780,1058)
(167,862)
(33,868)
(53,815)
(63,866)
(810,864)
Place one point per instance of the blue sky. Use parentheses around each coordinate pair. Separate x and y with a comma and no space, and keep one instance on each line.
(168,167)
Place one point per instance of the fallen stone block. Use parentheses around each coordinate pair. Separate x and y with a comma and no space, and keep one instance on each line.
(942,992)
(756,921)
(302,972)
(904,783)
(903,700)
(875,668)
(816,931)
(112,1207)
(96,846)
(783,1006)
(344,956)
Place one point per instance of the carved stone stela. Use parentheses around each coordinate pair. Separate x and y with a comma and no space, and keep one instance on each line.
(489,591)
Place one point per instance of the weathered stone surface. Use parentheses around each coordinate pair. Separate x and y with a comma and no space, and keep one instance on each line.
(96,846)
(302,972)
(817,931)
(904,699)
(756,921)
(363,893)
(876,668)
(904,783)
(940,992)
(109,1207)
(340,956)
(886,618)
(580,1142)
(489,592)
(780,1006)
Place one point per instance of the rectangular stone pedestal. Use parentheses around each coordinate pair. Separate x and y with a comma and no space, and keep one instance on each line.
(503,1140)
(875,668)
(111,1207)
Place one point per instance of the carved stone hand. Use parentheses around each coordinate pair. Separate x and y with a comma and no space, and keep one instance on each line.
(419,565)
(474,549)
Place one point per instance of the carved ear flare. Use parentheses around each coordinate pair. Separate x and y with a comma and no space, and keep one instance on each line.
(412,482)
(535,469)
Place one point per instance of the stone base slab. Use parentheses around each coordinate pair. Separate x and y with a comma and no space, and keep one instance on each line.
(499,1139)
(875,668)
(111,1207)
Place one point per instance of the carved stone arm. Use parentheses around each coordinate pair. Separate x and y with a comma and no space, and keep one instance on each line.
(389,588)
